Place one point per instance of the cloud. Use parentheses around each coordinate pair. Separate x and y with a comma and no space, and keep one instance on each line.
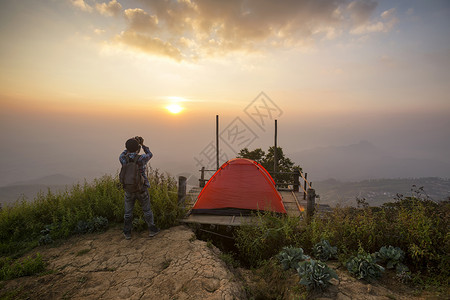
(113,8)
(80,4)
(185,29)
(140,21)
(361,11)
(385,23)
(149,45)
(99,31)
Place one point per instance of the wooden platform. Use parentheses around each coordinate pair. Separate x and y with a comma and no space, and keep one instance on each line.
(293,203)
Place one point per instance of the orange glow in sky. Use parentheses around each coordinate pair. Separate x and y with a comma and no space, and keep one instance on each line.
(174,108)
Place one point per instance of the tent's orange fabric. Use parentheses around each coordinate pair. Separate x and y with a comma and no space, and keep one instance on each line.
(238,187)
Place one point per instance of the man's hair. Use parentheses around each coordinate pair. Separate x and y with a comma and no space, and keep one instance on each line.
(132,145)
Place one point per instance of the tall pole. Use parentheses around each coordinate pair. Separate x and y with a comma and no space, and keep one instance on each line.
(217,141)
(275,157)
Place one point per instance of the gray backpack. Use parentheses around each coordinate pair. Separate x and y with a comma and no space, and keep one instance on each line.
(130,176)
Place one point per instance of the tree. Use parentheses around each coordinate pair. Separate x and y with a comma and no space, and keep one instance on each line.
(284,165)
(256,155)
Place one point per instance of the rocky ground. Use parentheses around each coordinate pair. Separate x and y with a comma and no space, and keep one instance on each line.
(172,265)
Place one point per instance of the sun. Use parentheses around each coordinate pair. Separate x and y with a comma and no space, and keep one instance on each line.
(174,108)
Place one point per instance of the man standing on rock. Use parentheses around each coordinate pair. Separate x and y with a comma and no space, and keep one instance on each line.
(135,182)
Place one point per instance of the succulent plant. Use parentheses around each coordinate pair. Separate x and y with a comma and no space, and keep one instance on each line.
(393,257)
(290,257)
(315,275)
(324,251)
(364,266)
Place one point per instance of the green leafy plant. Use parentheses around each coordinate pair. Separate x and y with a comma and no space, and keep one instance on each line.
(324,251)
(266,239)
(139,224)
(229,260)
(364,266)
(393,257)
(73,211)
(10,269)
(315,275)
(96,224)
(46,237)
(290,257)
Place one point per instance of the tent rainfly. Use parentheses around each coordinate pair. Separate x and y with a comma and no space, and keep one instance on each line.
(239,187)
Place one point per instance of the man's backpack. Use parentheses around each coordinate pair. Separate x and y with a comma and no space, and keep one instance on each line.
(130,176)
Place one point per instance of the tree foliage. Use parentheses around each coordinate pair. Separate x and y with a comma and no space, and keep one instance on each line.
(266,159)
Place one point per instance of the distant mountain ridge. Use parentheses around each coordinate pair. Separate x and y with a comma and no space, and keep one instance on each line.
(379,191)
(362,161)
(54,179)
(30,188)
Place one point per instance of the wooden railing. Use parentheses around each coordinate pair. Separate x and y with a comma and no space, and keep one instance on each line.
(296,175)
(202,181)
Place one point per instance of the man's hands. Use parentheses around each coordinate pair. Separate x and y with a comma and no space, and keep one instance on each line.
(139,139)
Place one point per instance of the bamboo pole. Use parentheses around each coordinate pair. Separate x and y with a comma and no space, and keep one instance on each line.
(217,141)
(275,157)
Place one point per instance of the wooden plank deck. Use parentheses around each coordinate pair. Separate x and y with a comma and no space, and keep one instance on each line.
(293,203)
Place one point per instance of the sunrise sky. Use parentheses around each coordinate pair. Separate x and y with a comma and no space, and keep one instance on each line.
(78,77)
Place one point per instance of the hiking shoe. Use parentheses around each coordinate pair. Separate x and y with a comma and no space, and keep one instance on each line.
(127,235)
(153,232)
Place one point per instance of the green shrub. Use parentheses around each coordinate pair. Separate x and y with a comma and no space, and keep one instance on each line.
(315,275)
(267,238)
(268,281)
(139,224)
(416,224)
(229,260)
(324,251)
(290,257)
(54,216)
(10,269)
(96,224)
(164,200)
(83,208)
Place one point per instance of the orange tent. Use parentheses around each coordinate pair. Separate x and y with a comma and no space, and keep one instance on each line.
(239,187)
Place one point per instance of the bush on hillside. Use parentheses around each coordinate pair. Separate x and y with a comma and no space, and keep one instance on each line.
(261,242)
(418,225)
(415,224)
(10,269)
(54,216)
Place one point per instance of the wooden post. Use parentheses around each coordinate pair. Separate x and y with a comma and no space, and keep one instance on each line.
(217,141)
(310,204)
(304,186)
(201,181)
(296,186)
(275,157)
(182,191)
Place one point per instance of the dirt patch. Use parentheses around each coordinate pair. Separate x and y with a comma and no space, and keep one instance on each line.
(172,265)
